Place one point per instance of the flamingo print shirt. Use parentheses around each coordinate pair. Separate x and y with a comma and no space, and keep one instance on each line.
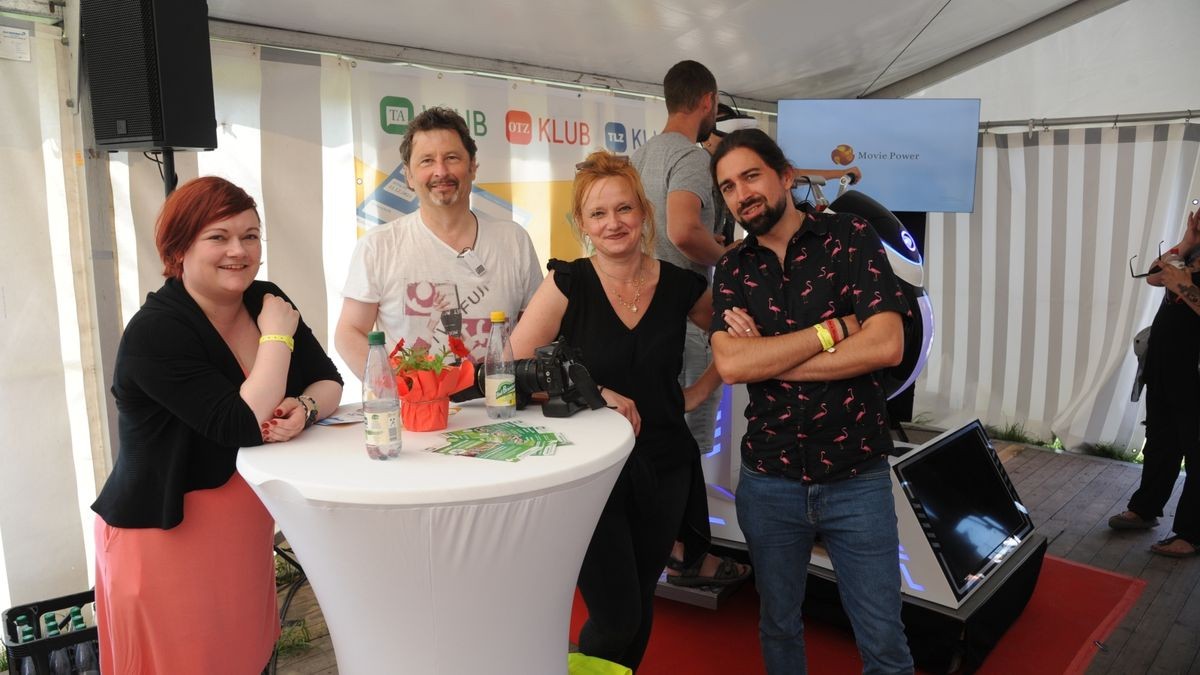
(835,266)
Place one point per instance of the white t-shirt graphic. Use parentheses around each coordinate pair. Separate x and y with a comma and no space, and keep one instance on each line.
(413,276)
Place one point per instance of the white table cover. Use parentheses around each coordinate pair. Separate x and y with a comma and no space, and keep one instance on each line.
(438,565)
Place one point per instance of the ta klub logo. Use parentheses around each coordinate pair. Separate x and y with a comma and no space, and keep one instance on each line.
(396,112)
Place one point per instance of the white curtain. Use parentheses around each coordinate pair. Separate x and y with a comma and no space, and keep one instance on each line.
(46,454)
(1034,303)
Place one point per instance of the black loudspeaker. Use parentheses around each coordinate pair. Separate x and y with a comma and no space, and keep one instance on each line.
(149,74)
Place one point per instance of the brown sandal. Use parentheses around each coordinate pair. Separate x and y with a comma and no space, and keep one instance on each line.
(727,573)
(1128,520)
(1175,547)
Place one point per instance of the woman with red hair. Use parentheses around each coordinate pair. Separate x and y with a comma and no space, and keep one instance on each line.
(213,361)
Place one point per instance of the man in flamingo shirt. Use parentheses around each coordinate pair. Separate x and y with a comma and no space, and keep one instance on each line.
(806,311)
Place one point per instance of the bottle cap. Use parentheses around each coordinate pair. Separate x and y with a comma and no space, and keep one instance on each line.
(375,337)
(498,317)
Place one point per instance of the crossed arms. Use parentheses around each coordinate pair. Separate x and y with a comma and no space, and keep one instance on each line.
(741,354)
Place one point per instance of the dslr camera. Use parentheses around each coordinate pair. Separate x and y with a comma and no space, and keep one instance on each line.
(555,370)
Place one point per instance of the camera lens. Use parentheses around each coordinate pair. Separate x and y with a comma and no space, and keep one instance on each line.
(527,378)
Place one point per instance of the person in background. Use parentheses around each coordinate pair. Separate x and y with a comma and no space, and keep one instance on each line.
(442,269)
(1172,401)
(625,311)
(806,310)
(675,176)
(213,361)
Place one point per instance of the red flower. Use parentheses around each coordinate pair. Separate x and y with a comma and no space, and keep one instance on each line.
(458,348)
(398,348)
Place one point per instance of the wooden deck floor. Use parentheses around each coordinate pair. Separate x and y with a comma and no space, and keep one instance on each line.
(1071,497)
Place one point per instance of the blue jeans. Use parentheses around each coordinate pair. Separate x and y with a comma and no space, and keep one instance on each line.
(856,519)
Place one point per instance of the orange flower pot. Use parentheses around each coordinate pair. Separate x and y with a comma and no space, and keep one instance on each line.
(425,395)
(428,415)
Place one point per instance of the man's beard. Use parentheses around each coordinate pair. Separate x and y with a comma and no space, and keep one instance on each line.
(765,221)
(440,199)
(706,129)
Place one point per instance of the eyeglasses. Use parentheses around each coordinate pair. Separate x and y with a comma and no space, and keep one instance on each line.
(1152,270)
(620,160)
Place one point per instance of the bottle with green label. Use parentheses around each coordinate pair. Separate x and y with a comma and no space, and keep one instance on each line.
(499,375)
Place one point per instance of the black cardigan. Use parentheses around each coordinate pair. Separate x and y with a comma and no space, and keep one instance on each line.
(180,414)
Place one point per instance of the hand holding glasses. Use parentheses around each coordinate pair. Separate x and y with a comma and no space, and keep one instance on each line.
(1154,269)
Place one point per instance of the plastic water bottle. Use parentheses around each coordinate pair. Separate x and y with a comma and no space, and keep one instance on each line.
(381,401)
(59,661)
(25,634)
(499,376)
(86,662)
(77,623)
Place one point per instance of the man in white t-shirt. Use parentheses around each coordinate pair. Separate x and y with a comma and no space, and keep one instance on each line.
(443,269)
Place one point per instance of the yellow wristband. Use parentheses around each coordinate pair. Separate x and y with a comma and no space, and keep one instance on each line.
(824,336)
(285,339)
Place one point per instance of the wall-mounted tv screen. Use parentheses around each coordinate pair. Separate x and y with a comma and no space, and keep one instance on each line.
(966,504)
(914,154)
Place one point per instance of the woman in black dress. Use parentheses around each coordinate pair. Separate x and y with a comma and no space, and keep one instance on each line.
(626,311)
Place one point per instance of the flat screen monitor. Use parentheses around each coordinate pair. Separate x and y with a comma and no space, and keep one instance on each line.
(965,503)
(914,154)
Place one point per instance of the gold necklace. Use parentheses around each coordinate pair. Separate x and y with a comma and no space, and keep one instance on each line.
(637,282)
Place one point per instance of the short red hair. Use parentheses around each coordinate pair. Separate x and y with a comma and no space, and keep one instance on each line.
(190,208)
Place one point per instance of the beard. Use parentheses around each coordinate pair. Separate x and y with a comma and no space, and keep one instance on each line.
(706,129)
(443,199)
(765,221)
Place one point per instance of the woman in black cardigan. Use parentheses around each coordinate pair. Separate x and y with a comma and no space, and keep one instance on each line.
(213,361)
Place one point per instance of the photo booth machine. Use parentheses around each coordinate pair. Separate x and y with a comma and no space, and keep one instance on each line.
(964,533)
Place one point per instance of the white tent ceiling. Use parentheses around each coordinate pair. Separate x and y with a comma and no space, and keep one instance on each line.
(759,49)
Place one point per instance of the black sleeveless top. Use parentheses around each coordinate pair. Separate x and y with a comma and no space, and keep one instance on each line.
(643,362)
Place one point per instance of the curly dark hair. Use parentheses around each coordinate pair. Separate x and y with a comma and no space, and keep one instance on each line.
(433,119)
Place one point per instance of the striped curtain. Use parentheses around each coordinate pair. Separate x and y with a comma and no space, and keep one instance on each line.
(1035,307)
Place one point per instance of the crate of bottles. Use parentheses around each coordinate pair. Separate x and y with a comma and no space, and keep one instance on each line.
(52,637)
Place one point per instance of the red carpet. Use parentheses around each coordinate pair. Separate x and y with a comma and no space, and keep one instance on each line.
(1072,606)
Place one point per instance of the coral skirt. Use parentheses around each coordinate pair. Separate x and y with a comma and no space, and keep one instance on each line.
(198,598)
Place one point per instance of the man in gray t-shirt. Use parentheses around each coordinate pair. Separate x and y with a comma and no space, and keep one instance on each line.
(675,173)
(678,182)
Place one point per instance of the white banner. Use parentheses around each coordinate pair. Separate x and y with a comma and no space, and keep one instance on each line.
(530,136)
